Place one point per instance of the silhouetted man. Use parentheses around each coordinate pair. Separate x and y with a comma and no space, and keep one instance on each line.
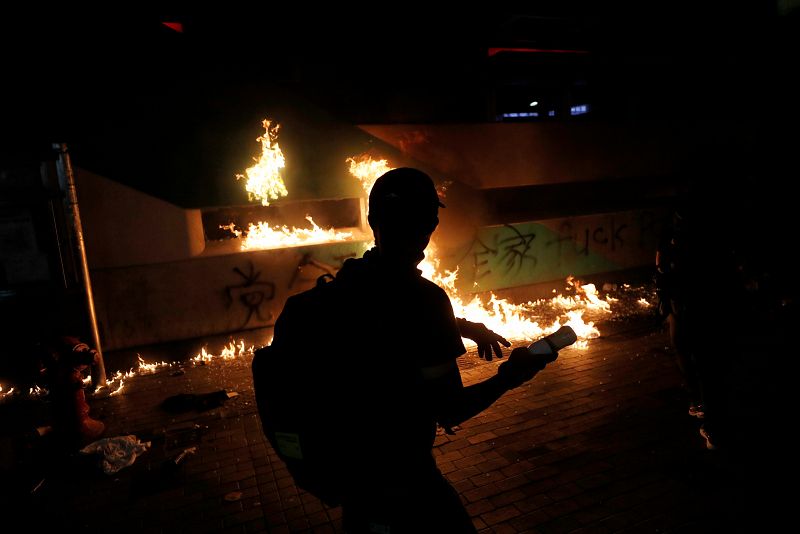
(386,372)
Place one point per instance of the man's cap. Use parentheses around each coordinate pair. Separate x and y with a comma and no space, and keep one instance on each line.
(404,192)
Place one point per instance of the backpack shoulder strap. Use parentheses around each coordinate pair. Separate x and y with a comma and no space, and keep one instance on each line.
(326,278)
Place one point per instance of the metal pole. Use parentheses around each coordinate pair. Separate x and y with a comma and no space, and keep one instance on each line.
(65,167)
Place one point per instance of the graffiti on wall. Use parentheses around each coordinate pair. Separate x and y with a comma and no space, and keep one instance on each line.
(259,296)
(251,292)
(252,287)
(309,269)
(508,250)
(528,253)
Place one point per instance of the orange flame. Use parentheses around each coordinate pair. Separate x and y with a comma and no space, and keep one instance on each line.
(229,352)
(264,183)
(261,236)
(116,383)
(263,179)
(367,170)
(4,394)
(233,350)
(512,321)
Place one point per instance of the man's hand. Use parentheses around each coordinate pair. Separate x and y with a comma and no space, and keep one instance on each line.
(522,366)
(487,340)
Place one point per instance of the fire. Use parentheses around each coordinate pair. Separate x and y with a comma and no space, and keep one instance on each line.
(367,170)
(261,235)
(229,352)
(145,367)
(512,321)
(4,394)
(118,376)
(516,321)
(233,350)
(263,179)
(264,183)
(116,383)
(586,297)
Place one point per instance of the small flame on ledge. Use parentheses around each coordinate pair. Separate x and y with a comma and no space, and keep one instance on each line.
(264,181)
(262,236)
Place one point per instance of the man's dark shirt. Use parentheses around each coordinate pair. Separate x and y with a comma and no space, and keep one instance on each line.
(376,329)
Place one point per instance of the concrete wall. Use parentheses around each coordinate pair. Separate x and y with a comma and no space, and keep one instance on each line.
(214,294)
(124,227)
(513,255)
(156,279)
(507,155)
(207,295)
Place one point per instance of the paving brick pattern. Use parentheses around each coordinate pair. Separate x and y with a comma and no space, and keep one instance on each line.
(598,442)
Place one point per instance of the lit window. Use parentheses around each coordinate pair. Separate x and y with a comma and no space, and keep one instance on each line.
(522,114)
(579,110)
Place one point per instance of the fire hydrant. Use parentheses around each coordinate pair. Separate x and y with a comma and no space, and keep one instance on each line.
(71,421)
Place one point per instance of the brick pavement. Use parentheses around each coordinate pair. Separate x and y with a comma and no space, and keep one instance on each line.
(598,442)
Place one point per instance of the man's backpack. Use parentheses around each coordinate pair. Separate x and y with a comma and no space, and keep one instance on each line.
(298,385)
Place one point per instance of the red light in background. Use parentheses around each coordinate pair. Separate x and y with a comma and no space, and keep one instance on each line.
(495,51)
(177,26)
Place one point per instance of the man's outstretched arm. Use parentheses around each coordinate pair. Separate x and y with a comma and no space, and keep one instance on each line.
(453,403)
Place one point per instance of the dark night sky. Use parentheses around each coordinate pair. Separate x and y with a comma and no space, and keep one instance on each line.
(115,86)
(109,68)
